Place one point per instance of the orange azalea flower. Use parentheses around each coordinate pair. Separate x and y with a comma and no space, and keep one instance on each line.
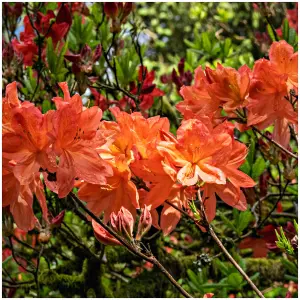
(179,196)
(110,197)
(230,193)
(19,198)
(229,86)
(197,153)
(197,100)
(26,141)
(268,104)
(285,61)
(74,130)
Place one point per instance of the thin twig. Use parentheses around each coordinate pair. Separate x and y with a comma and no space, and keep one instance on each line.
(275,143)
(274,207)
(220,244)
(149,257)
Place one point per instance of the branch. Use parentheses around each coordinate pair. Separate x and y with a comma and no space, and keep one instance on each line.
(231,259)
(274,207)
(275,143)
(131,247)
(204,222)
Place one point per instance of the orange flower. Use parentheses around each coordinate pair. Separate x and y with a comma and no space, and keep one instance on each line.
(110,197)
(74,131)
(27,140)
(19,198)
(179,196)
(268,104)
(230,193)
(229,86)
(197,101)
(285,61)
(197,153)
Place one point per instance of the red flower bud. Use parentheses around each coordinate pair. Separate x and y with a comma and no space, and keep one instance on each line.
(97,53)
(64,15)
(128,7)
(145,223)
(181,67)
(103,236)
(111,9)
(56,221)
(86,52)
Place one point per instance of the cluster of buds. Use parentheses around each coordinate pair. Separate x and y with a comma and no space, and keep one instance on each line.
(84,61)
(123,224)
(82,64)
(118,13)
(179,78)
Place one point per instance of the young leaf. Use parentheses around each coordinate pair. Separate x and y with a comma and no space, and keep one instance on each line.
(258,167)
(206,42)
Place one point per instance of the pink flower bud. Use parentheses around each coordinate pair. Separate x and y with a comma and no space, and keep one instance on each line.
(86,52)
(97,53)
(103,236)
(122,223)
(145,223)
(56,221)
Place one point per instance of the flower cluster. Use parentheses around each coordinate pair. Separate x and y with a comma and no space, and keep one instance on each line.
(136,162)
(44,26)
(262,95)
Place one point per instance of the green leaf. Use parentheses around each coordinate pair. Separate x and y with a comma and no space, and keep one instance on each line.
(292,36)
(189,44)
(51,57)
(227,221)
(291,267)
(60,58)
(258,167)
(206,42)
(271,33)
(245,218)
(286,30)
(46,106)
(194,278)
(246,168)
(235,280)
(227,47)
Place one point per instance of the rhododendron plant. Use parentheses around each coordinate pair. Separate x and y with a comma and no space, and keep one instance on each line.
(99,156)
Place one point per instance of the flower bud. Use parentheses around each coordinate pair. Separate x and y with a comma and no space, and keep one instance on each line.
(111,9)
(97,53)
(86,52)
(145,223)
(103,236)
(122,223)
(56,221)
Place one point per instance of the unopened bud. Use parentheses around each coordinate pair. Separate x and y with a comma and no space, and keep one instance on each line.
(111,9)
(122,223)
(145,223)
(56,221)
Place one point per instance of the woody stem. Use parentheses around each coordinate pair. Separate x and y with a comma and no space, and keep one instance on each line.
(152,259)
(216,239)
(220,244)
(275,143)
